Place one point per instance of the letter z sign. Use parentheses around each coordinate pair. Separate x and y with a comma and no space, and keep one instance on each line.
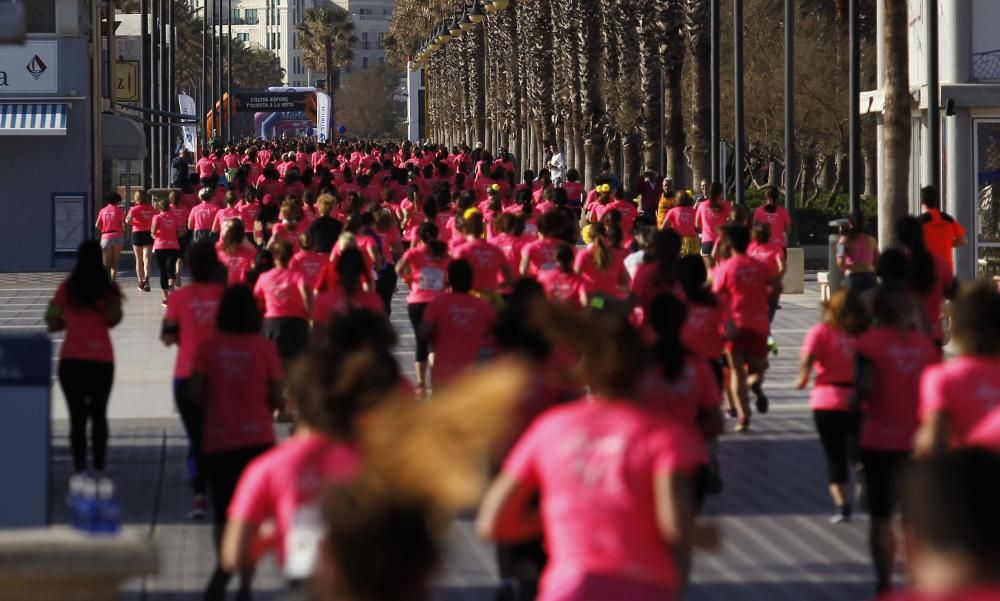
(127,81)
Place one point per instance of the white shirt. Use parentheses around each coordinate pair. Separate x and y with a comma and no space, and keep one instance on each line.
(557,166)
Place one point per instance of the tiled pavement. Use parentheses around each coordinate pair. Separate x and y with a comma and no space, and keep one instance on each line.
(777,544)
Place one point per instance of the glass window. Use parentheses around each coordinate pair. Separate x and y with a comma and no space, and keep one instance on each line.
(250,15)
(987,235)
(243,37)
(40,15)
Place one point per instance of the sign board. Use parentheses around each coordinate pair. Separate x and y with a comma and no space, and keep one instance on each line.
(33,67)
(127,81)
(25,382)
(269,102)
(69,221)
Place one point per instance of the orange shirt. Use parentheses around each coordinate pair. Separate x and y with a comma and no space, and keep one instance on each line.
(941,232)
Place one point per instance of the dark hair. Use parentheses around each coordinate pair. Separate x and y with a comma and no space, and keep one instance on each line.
(714,192)
(666,316)
(738,237)
(892,266)
(474,225)
(238,312)
(975,321)
(693,278)
(460,275)
(771,195)
(203,261)
(112,198)
(350,269)
(282,252)
(90,284)
(921,275)
(513,332)
(855,224)
(950,503)
(323,234)
(893,308)
(666,250)
(565,257)
(234,236)
(846,311)
(428,234)
(929,197)
(762,232)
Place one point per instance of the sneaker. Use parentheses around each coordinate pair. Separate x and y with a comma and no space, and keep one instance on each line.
(163,302)
(733,414)
(772,345)
(762,403)
(145,286)
(842,516)
(198,507)
(743,425)
(178,283)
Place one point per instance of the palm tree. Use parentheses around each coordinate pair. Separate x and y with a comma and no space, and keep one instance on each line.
(896,122)
(326,36)
(651,81)
(672,51)
(696,24)
(591,105)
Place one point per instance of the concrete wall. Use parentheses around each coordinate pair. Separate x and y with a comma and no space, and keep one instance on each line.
(34,168)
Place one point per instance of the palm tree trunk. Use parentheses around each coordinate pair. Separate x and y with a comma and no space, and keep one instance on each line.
(630,157)
(696,21)
(590,97)
(651,84)
(896,126)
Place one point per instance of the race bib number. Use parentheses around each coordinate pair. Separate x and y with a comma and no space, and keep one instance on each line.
(431,278)
(302,543)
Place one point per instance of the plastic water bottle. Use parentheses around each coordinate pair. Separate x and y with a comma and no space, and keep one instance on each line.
(87,506)
(74,501)
(108,511)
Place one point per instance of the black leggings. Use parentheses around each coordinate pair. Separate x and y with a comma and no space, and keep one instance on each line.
(882,472)
(166,260)
(192,417)
(87,386)
(416,311)
(838,433)
(386,286)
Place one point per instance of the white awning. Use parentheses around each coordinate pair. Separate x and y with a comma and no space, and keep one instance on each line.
(33,119)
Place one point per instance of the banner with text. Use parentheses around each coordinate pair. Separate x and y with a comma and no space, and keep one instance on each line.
(186,104)
(269,102)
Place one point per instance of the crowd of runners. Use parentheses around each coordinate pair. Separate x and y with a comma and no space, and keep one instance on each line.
(632,327)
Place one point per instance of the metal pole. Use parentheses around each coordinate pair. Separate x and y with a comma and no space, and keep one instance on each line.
(933,97)
(217,100)
(854,89)
(790,170)
(716,62)
(172,71)
(203,107)
(229,71)
(96,110)
(164,52)
(738,93)
(156,94)
(147,87)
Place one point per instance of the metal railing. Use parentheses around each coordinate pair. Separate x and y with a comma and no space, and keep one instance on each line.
(986,66)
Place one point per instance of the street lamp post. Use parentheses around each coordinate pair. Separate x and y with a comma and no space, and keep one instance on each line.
(229,70)
(716,67)
(147,88)
(933,97)
(790,170)
(854,89)
(738,93)
(204,73)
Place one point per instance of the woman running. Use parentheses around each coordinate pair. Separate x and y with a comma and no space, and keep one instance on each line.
(681,219)
(955,396)
(424,267)
(775,216)
(140,219)
(829,347)
(181,213)
(616,486)
(202,216)
(540,255)
(710,215)
(602,266)
(111,225)
(565,285)
(285,298)
(857,254)
(708,325)
(930,277)
(237,380)
(166,230)
(489,264)
(890,358)
(348,293)
(235,253)
(193,310)
(392,249)
(86,305)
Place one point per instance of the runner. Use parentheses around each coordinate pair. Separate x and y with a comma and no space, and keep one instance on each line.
(85,306)
(929,277)
(602,266)
(941,232)
(193,310)
(565,285)
(140,219)
(540,255)
(424,267)
(235,253)
(237,380)
(202,216)
(891,357)
(285,298)
(166,230)
(708,325)
(830,348)
(776,216)
(710,215)
(681,218)
(349,293)
(857,254)
(489,265)
(111,224)
(181,212)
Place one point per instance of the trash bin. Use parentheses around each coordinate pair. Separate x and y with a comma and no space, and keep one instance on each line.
(835,277)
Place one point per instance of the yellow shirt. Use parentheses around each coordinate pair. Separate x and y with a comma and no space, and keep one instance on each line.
(666,203)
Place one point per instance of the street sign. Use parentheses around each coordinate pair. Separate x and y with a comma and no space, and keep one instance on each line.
(127,81)
(264,102)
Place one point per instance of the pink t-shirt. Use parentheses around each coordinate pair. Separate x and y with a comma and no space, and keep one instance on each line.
(898,359)
(704,329)
(237,369)
(712,219)
(512,247)
(767,254)
(248,213)
(202,216)
(681,220)
(779,220)
(986,433)
(487,263)
(695,390)
(237,263)
(286,485)
(462,326)
(87,330)
(574,192)
(194,308)
(428,275)
(224,215)
(744,284)
(206,167)
(594,464)
(167,228)
(336,301)
(280,292)
(561,286)
(111,222)
(181,212)
(833,353)
(541,255)
(597,280)
(309,264)
(965,389)
(141,217)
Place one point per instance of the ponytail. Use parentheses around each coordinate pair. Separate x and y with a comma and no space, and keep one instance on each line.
(602,248)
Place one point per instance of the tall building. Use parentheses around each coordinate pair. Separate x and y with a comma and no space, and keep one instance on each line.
(270,24)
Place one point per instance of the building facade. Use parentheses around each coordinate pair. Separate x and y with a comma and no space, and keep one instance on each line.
(969,58)
(270,24)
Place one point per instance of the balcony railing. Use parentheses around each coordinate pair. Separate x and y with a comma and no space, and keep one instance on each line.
(373,17)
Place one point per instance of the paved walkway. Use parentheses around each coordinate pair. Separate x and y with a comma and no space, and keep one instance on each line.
(773,510)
